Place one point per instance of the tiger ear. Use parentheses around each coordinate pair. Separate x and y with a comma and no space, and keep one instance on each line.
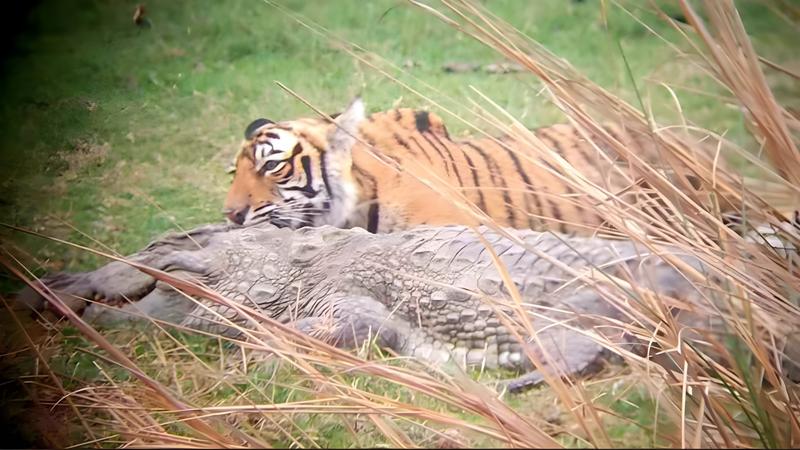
(250,131)
(342,137)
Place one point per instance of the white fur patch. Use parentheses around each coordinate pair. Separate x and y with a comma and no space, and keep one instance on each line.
(338,161)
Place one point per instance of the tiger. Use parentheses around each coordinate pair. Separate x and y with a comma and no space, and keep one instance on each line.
(381,172)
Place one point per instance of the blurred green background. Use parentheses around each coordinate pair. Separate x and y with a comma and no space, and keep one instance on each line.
(116,133)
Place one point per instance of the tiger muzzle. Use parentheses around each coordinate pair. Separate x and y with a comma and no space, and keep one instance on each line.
(237,216)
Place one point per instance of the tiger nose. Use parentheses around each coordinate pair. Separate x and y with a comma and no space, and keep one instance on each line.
(237,215)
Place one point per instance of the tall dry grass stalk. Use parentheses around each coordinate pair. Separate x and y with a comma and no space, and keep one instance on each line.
(761,288)
(738,397)
(734,62)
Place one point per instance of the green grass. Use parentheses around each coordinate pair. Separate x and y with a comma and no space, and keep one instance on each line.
(123,133)
(210,373)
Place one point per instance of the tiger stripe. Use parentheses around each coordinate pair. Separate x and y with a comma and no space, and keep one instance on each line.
(335,179)
(401,142)
(475,176)
(441,160)
(498,181)
(446,151)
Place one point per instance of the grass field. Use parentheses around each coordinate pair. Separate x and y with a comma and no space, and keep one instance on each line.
(114,134)
(122,132)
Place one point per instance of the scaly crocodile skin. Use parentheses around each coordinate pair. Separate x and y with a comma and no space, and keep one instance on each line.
(433,293)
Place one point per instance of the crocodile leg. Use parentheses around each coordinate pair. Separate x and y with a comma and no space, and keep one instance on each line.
(562,344)
(354,320)
(570,353)
(112,283)
(111,293)
(162,302)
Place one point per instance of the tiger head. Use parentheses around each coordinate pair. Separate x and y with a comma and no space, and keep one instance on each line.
(295,173)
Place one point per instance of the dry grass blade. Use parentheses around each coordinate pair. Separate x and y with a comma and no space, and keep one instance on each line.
(736,63)
(759,284)
(739,398)
(581,100)
(49,372)
(162,392)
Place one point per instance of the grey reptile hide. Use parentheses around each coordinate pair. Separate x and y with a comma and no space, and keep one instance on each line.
(433,293)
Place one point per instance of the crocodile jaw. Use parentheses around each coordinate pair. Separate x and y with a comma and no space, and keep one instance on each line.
(163,303)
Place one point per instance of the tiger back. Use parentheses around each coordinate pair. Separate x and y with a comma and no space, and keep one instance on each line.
(396,169)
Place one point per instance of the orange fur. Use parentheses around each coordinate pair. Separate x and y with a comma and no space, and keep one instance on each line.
(503,178)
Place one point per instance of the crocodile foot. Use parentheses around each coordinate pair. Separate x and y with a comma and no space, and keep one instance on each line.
(353,321)
(566,353)
(114,290)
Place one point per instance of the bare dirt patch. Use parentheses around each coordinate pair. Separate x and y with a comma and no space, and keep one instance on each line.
(83,153)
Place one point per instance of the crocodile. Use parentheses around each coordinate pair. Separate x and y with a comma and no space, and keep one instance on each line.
(433,293)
